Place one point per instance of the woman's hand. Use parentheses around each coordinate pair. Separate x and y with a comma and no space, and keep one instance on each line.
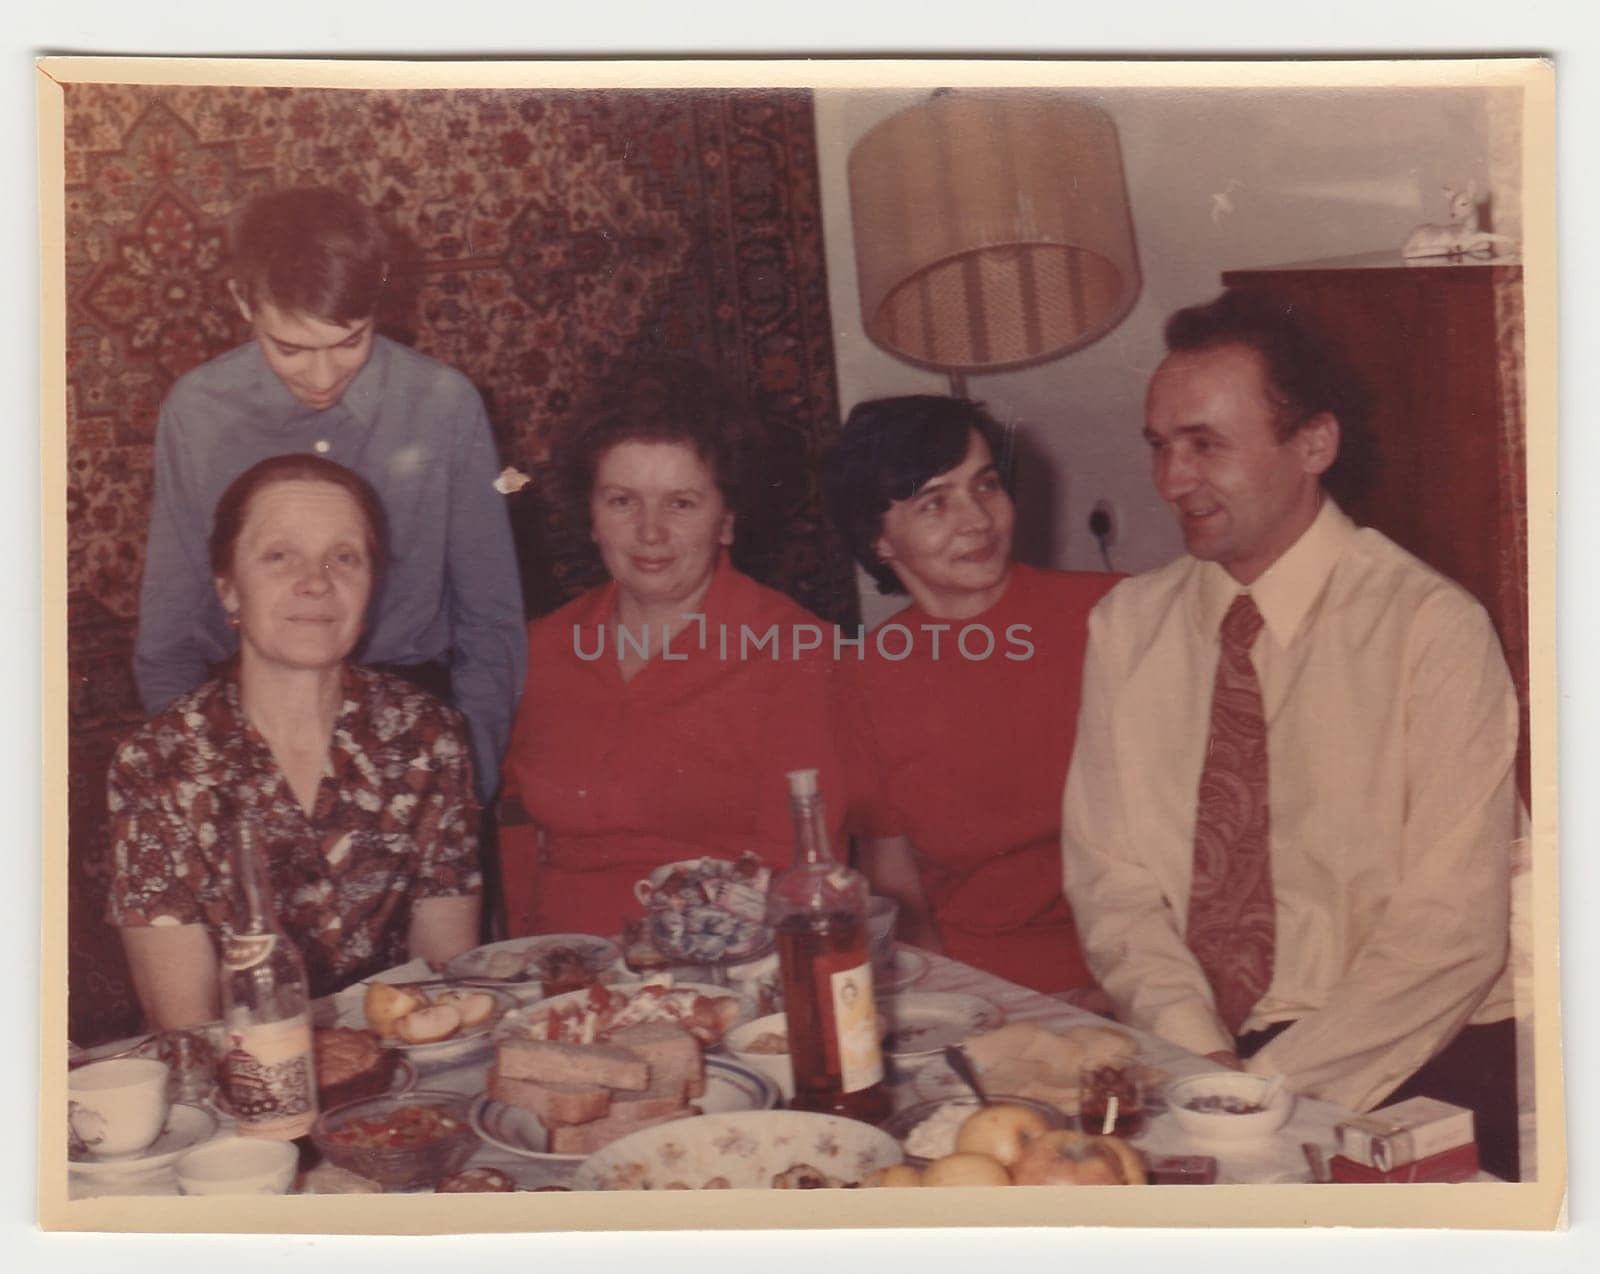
(890,866)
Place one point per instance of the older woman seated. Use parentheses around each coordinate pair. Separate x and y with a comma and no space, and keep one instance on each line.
(664,706)
(355,786)
(970,693)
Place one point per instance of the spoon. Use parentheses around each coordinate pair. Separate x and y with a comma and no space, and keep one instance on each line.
(961,1064)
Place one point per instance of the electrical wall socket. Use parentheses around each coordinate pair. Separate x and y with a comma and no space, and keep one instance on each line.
(1104,514)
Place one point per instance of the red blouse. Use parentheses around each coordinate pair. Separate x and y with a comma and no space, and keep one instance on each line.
(686,759)
(970,757)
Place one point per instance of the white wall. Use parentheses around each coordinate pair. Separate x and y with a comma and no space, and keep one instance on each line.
(1310,174)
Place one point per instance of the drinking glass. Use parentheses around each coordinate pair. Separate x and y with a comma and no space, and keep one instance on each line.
(1111,1099)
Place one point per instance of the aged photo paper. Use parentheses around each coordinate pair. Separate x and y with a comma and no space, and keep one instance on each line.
(532,189)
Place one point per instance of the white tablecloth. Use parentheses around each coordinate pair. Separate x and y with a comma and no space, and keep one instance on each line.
(1279,1160)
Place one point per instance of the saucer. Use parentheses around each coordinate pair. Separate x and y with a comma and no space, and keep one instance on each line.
(922,1024)
(186,1128)
(907,967)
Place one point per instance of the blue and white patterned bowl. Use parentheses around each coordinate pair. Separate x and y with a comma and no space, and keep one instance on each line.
(707,934)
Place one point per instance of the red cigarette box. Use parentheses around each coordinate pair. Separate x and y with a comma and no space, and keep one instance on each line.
(1459,1163)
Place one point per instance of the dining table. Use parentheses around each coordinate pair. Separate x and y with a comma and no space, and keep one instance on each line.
(1286,1156)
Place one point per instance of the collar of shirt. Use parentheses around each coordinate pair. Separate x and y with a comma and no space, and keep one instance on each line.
(361,401)
(257,754)
(708,633)
(1288,589)
(1020,581)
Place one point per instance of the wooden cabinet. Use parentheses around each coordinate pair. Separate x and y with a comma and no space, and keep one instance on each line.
(1440,346)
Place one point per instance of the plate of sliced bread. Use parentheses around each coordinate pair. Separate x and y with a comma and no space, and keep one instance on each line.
(550,1100)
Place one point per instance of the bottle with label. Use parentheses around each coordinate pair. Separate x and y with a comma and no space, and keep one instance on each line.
(267,1074)
(818,908)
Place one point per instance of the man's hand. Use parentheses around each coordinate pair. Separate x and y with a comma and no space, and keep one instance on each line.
(1224,1057)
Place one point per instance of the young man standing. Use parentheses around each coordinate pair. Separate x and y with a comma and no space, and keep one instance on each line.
(309,268)
(1288,825)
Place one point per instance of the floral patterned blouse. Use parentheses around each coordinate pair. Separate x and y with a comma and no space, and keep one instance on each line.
(395,820)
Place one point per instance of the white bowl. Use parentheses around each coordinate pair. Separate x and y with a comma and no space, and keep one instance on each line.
(238,1165)
(742,1151)
(1216,1125)
(777,1067)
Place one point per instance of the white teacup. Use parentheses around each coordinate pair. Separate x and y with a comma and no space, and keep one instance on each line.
(759,980)
(238,1165)
(644,890)
(778,1067)
(118,1107)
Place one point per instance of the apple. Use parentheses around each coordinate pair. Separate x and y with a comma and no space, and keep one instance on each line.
(1001,1131)
(1064,1157)
(896,1174)
(475,1007)
(966,1168)
(388,1002)
(429,1025)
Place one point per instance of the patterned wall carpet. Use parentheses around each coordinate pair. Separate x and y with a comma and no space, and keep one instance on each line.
(547,240)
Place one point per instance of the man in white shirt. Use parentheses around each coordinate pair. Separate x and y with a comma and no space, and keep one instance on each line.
(1350,801)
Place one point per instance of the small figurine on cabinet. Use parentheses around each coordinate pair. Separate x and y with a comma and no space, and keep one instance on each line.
(1462,233)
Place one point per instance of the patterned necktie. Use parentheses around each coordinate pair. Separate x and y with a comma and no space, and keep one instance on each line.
(1231,922)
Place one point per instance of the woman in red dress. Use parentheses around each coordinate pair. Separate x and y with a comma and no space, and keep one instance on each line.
(969,695)
(664,707)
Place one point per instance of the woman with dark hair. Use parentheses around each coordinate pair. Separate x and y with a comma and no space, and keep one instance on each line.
(970,694)
(665,705)
(355,786)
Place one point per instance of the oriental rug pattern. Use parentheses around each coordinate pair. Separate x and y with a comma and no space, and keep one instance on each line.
(546,240)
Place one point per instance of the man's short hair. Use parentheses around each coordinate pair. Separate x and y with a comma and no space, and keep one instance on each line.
(1306,375)
(311,251)
(889,450)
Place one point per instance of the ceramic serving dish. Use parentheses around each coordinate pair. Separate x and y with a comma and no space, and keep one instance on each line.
(748,1150)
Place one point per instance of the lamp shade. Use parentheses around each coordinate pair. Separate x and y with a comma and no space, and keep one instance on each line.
(992,229)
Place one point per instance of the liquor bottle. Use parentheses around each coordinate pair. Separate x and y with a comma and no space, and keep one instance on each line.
(268,1074)
(818,908)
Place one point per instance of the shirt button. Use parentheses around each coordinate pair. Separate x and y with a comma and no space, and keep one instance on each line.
(322,446)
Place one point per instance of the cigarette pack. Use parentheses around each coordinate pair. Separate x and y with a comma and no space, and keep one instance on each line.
(1459,1163)
(1404,1133)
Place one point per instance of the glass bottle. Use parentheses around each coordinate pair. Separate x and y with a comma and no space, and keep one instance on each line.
(818,908)
(268,1074)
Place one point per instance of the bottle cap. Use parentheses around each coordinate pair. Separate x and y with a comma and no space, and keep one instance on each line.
(802,782)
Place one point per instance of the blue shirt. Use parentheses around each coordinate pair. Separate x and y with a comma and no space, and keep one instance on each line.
(416,430)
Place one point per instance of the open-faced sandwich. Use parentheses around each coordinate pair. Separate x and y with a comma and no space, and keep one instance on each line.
(558,969)
(601,1011)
